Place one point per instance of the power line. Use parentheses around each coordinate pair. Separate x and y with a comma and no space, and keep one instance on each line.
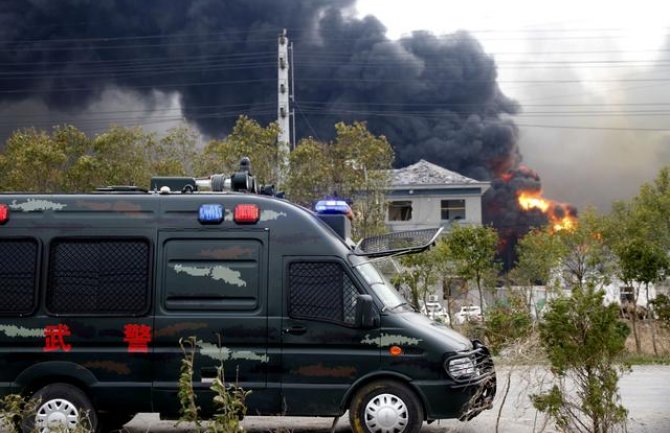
(163,86)
(526,125)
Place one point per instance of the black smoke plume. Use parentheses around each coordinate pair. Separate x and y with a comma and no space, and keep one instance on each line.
(433,97)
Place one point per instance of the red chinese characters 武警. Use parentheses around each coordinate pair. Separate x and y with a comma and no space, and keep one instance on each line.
(55,338)
(138,337)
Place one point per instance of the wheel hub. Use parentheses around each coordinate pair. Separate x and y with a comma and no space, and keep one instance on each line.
(56,415)
(386,413)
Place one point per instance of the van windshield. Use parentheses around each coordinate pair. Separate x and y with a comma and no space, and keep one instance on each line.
(381,286)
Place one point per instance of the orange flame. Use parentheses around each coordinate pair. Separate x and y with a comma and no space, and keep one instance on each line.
(560,218)
(531,200)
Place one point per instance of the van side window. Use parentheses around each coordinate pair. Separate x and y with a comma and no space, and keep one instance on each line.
(18,276)
(212,274)
(321,291)
(96,276)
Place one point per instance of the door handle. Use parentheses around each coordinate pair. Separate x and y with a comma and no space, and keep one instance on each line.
(295,330)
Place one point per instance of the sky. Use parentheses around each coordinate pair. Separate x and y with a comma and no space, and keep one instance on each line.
(592,79)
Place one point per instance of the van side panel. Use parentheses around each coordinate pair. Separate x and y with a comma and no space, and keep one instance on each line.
(323,351)
(213,286)
(90,324)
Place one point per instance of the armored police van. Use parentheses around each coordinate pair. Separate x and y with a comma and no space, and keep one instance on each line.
(98,289)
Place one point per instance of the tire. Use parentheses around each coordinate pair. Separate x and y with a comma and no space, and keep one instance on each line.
(385,407)
(61,404)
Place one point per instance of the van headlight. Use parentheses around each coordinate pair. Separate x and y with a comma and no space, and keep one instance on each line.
(461,368)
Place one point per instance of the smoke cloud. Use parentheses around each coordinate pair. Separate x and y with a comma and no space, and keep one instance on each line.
(433,97)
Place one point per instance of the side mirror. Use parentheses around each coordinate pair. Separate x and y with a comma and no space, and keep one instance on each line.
(366,315)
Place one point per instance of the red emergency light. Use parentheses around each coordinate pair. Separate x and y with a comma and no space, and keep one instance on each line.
(246,214)
(4,213)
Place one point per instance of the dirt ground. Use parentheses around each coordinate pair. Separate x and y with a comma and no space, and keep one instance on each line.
(644,331)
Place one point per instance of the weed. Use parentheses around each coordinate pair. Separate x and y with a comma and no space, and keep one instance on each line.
(14,410)
(188,410)
(229,400)
(230,406)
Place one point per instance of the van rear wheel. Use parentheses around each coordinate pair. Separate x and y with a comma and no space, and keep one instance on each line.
(385,407)
(61,407)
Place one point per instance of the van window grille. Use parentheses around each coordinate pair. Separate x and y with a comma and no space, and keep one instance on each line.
(321,291)
(18,270)
(106,277)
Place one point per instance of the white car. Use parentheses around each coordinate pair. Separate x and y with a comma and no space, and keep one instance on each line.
(469,313)
(435,311)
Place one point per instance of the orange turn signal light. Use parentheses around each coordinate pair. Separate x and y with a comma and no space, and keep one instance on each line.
(395,350)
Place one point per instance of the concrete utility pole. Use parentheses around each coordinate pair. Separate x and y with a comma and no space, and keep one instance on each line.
(283,93)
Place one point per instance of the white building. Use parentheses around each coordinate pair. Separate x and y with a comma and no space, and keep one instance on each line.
(425,195)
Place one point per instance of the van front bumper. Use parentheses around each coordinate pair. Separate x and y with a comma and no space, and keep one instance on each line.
(462,399)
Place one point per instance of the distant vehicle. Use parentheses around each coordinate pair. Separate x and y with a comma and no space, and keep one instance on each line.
(469,313)
(435,311)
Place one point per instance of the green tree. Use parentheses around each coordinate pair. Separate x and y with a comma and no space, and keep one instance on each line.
(583,338)
(120,157)
(652,206)
(355,165)
(447,274)
(473,250)
(361,163)
(32,162)
(633,234)
(587,260)
(662,309)
(311,172)
(248,138)
(173,154)
(419,273)
(539,255)
(67,160)
(507,323)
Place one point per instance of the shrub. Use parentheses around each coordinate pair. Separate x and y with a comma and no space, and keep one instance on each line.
(583,338)
(505,325)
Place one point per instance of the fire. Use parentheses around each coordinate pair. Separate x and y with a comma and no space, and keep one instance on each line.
(529,200)
(560,215)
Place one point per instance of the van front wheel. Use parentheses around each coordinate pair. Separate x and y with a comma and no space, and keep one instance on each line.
(385,407)
(61,407)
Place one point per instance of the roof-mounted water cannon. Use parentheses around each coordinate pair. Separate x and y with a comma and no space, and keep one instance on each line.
(240,181)
(243,180)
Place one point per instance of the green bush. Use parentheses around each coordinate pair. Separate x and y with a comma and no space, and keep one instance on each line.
(504,325)
(662,309)
(583,339)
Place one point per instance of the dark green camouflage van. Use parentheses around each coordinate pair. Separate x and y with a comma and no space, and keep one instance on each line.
(98,289)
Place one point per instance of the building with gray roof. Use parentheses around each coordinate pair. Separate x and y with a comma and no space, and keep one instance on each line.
(426,195)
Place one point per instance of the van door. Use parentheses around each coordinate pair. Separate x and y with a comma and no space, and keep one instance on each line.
(323,352)
(212,285)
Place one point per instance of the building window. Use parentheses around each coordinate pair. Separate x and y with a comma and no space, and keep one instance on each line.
(452,210)
(400,210)
(626,294)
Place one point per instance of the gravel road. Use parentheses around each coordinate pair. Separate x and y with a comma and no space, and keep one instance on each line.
(645,392)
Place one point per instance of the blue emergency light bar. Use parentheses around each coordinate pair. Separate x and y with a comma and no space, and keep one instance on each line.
(210,214)
(332,207)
